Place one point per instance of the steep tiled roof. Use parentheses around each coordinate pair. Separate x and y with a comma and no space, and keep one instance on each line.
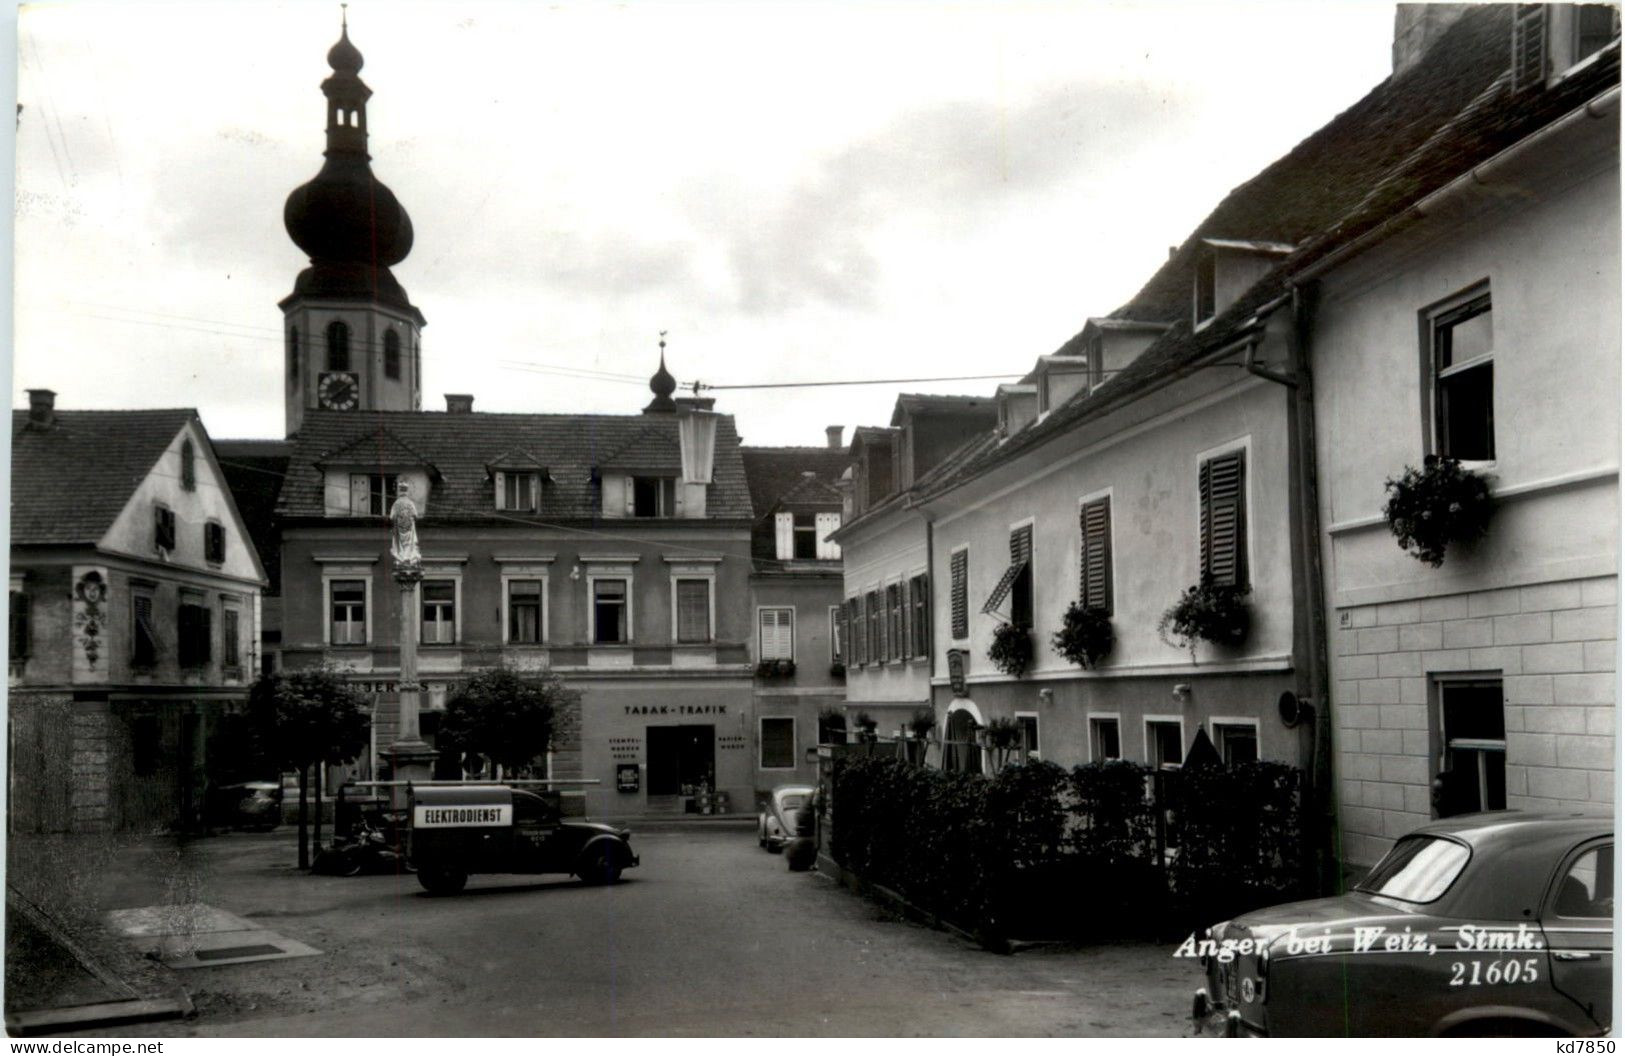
(381,447)
(916,402)
(69,482)
(655,449)
(774,473)
(254,470)
(462,445)
(1422,146)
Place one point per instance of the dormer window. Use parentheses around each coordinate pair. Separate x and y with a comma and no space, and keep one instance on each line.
(1207,291)
(518,490)
(654,497)
(1552,39)
(372,494)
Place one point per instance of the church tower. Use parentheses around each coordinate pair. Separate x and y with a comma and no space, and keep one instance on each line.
(351,336)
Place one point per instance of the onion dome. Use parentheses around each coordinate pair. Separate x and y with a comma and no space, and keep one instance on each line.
(344,57)
(662,385)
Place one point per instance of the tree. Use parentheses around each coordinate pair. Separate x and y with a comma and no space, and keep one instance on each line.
(305,718)
(505,715)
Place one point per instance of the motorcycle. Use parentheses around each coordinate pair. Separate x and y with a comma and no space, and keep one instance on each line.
(367,850)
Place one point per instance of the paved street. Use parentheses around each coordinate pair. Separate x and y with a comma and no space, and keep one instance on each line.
(710,936)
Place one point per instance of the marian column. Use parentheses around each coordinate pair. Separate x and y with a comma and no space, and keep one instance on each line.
(409,757)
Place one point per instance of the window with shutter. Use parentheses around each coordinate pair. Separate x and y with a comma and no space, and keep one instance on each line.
(1017,582)
(1222,485)
(1528,46)
(877,647)
(776,635)
(784,535)
(214,542)
(144,637)
(894,621)
(854,630)
(231,649)
(959,566)
(693,610)
(837,634)
(164,528)
(827,523)
(919,625)
(1095,556)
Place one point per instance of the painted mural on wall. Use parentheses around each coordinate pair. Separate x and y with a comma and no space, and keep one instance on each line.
(90,625)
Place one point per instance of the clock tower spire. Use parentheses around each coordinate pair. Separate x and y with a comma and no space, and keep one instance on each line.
(352,336)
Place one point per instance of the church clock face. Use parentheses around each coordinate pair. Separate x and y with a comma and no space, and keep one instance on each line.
(339,390)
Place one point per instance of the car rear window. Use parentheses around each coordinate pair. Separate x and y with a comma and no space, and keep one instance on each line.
(1418,869)
(789,803)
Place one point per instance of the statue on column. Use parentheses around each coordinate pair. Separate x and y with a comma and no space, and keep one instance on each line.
(403,533)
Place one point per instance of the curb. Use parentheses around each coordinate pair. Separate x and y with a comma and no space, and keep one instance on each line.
(107,1014)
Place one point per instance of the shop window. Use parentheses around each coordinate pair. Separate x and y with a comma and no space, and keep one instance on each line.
(778,744)
(609,611)
(525,611)
(1103,740)
(349,611)
(439,611)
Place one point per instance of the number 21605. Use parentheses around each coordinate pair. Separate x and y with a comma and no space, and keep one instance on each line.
(1478,973)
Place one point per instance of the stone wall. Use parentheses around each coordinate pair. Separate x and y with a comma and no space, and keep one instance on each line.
(1553,645)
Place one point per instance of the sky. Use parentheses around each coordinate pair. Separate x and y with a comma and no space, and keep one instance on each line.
(793,191)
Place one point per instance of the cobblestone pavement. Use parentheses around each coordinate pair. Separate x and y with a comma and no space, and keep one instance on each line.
(710,936)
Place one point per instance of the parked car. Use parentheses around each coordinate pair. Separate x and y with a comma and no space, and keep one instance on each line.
(464,829)
(775,823)
(1490,924)
(247,804)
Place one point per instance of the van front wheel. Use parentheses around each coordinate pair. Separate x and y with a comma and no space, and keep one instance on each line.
(600,868)
(442,881)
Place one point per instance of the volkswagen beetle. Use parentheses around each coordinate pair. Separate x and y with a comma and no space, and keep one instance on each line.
(464,829)
(775,823)
(1490,924)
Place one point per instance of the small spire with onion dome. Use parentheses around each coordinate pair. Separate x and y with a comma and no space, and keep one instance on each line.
(662,385)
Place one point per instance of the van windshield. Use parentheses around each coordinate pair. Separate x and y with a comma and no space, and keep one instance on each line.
(1418,869)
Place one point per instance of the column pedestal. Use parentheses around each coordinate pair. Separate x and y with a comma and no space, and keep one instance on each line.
(409,757)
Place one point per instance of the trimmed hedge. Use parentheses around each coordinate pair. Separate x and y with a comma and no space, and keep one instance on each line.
(1111,849)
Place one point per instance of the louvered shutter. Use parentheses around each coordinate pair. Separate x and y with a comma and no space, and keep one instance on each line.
(1095,556)
(784,535)
(871,606)
(855,631)
(825,523)
(502,489)
(360,494)
(1021,545)
(630,487)
(905,624)
(1224,540)
(960,566)
(776,635)
(693,610)
(1528,46)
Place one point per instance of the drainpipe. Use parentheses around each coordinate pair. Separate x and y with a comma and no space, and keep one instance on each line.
(1314,682)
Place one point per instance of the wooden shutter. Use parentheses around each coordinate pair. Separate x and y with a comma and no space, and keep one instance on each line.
(502,489)
(825,523)
(1095,556)
(871,607)
(360,492)
(693,610)
(1021,545)
(854,630)
(784,535)
(776,635)
(1528,46)
(959,564)
(1222,484)
(630,490)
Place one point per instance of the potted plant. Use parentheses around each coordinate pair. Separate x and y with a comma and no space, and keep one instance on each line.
(1002,736)
(866,726)
(921,725)
(1439,504)
(1085,637)
(837,670)
(1012,649)
(1208,612)
(775,669)
(831,726)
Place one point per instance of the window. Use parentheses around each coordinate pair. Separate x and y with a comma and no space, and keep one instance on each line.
(17,612)
(1029,733)
(1222,489)
(1587,888)
(894,621)
(164,527)
(1472,735)
(919,626)
(1207,296)
(1529,45)
(1095,555)
(525,611)
(654,497)
(144,635)
(877,631)
(959,566)
(372,494)
(806,537)
(188,466)
(439,612)
(778,744)
(1103,740)
(192,632)
(775,634)
(349,611)
(1017,582)
(1464,381)
(693,610)
(392,354)
(1595,26)
(146,742)
(517,491)
(837,634)
(338,346)
(609,611)
(855,631)
(1237,742)
(1164,742)
(214,542)
(231,647)
(293,353)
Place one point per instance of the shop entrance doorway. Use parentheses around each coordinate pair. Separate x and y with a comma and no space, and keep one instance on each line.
(682,759)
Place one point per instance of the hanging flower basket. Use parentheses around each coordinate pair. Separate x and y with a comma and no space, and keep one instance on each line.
(1209,613)
(837,670)
(776,669)
(1439,504)
(1085,637)
(865,725)
(1012,649)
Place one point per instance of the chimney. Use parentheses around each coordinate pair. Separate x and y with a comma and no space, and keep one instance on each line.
(832,436)
(459,403)
(1417,27)
(41,408)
